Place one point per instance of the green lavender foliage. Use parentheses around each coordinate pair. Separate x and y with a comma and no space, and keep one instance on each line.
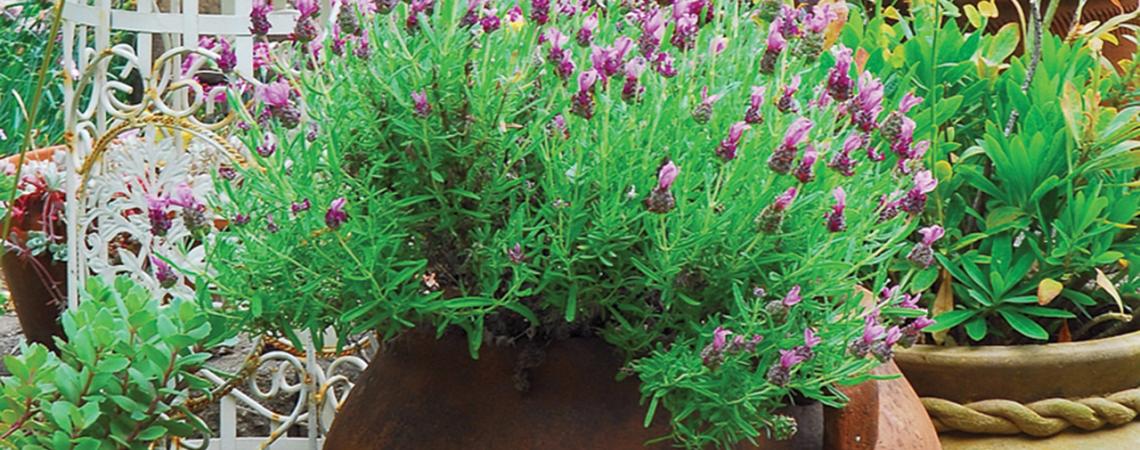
(1052,200)
(119,380)
(436,204)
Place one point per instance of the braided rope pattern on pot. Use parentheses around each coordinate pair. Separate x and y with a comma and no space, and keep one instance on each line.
(1041,418)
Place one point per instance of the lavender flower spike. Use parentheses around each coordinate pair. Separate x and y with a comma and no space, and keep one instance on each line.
(772,217)
(784,155)
(810,339)
(775,44)
(420,103)
(915,200)
(835,220)
(755,102)
(728,146)
(805,172)
(839,83)
(661,199)
(163,273)
(336,215)
(923,252)
(703,112)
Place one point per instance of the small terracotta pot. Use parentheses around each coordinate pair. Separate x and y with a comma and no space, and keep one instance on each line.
(420,393)
(36,284)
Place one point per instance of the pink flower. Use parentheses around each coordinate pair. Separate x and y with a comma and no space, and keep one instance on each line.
(805,172)
(775,42)
(258,17)
(728,146)
(893,336)
(515,254)
(586,33)
(835,219)
(420,103)
(276,94)
(909,101)
(868,102)
(810,339)
(789,358)
(872,331)
(666,176)
(910,301)
(703,112)
(782,202)
(796,132)
(336,215)
(720,338)
(793,295)
(931,234)
(307,8)
(663,63)
(755,102)
(924,182)
(163,273)
(839,81)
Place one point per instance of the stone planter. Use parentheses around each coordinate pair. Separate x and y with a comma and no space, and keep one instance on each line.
(1036,390)
(37,284)
(426,394)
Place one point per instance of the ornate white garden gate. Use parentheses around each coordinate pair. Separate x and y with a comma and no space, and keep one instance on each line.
(146,131)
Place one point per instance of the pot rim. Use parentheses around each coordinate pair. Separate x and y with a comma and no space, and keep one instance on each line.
(39,154)
(1074,353)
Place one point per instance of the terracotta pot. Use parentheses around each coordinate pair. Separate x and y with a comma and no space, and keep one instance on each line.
(1064,390)
(37,284)
(420,393)
(1023,373)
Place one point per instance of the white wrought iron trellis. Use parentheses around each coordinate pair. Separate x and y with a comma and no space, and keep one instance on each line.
(127,145)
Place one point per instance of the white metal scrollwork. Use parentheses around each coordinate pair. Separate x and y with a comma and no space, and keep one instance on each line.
(146,140)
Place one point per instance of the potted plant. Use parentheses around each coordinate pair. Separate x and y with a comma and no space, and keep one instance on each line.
(1037,202)
(34,258)
(529,203)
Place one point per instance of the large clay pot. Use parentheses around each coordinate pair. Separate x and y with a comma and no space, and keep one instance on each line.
(37,285)
(419,393)
(1088,385)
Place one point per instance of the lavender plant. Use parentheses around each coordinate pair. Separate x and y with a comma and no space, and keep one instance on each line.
(701,185)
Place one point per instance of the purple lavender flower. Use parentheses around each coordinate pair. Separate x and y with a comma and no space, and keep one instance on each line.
(772,217)
(241,219)
(868,103)
(889,206)
(227,173)
(276,94)
(336,215)
(631,91)
(839,82)
(842,161)
(780,374)
(268,146)
(912,331)
(810,339)
(782,159)
(787,102)
(299,207)
(805,172)
(704,110)
(420,103)
(883,350)
(307,8)
(163,273)
(385,7)
(685,32)
(585,35)
(540,11)
(912,161)
(471,16)
(160,223)
(755,102)
(663,63)
(923,252)
(915,200)
(910,301)
(346,20)
(775,45)
(558,125)
(903,137)
(792,297)
(712,356)
(490,22)
(720,338)
(652,31)
(227,59)
(811,43)
(270,224)
(259,18)
(515,254)
(835,220)
(788,21)
(728,146)
(660,199)
(872,332)
(892,126)
(582,103)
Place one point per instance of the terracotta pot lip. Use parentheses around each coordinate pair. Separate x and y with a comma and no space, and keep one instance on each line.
(38,154)
(1073,353)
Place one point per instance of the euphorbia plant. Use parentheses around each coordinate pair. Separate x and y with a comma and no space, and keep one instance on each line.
(634,173)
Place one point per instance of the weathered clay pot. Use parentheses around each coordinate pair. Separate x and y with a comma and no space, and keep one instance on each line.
(36,284)
(420,393)
(1027,374)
